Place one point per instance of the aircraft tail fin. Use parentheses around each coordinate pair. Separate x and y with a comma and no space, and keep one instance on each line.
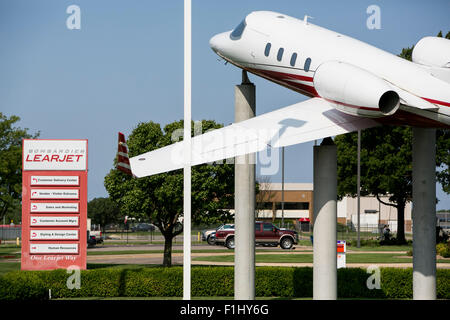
(123,161)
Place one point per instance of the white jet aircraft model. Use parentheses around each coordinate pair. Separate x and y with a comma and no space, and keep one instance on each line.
(352,86)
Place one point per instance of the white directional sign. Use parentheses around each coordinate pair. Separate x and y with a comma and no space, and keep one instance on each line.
(36,234)
(55,181)
(53,221)
(54,194)
(54,207)
(45,248)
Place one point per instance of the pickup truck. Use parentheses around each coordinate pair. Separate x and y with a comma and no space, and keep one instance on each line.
(209,235)
(265,234)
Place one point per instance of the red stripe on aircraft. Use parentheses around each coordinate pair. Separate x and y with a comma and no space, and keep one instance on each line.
(280,77)
(447,104)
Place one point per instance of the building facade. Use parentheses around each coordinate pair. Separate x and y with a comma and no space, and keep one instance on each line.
(298,207)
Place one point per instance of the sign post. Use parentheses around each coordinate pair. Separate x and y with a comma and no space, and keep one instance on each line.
(341,250)
(54,204)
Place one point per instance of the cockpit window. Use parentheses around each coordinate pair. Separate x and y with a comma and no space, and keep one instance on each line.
(237,32)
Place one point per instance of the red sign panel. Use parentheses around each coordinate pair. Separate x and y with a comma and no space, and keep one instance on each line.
(54,204)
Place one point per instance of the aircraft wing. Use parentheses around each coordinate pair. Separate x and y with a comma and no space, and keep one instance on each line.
(302,122)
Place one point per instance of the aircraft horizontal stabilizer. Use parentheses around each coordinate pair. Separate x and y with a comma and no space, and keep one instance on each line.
(302,122)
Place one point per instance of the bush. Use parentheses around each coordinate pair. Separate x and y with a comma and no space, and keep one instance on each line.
(396,283)
(443,249)
(285,282)
(279,282)
(352,283)
(443,284)
(21,286)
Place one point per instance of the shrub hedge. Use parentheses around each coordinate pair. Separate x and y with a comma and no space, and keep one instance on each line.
(285,282)
(443,249)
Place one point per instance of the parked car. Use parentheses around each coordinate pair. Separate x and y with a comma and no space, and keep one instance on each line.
(97,236)
(143,227)
(91,241)
(266,234)
(208,235)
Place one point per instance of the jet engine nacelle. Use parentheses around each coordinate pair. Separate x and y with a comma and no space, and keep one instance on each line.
(354,90)
(433,52)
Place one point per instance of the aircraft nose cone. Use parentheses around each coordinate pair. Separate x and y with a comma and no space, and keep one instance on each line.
(214,43)
(218,42)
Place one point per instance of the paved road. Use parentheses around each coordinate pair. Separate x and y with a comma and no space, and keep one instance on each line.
(177,258)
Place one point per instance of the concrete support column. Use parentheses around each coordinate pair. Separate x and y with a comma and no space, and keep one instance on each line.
(325,221)
(424,213)
(244,203)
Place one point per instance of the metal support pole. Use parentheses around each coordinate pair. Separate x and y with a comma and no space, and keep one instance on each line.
(187,154)
(325,221)
(282,187)
(424,213)
(244,203)
(358,191)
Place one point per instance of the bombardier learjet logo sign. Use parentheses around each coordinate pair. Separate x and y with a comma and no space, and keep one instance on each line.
(54,204)
(54,155)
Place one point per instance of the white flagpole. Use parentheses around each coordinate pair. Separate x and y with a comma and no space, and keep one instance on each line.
(187,144)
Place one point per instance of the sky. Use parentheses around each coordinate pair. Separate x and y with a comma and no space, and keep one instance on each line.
(125,65)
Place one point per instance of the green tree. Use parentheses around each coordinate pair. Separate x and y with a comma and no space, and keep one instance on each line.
(442,137)
(103,211)
(11,164)
(160,197)
(386,158)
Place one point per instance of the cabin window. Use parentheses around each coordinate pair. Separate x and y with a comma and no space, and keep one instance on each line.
(293,59)
(307,64)
(280,54)
(237,32)
(267,49)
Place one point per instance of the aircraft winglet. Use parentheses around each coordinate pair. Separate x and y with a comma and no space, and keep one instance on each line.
(123,161)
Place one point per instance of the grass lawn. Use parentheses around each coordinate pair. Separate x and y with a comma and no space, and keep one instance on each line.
(6,267)
(308,258)
(224,250)
(381,248)
(121,252)
(9,252)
